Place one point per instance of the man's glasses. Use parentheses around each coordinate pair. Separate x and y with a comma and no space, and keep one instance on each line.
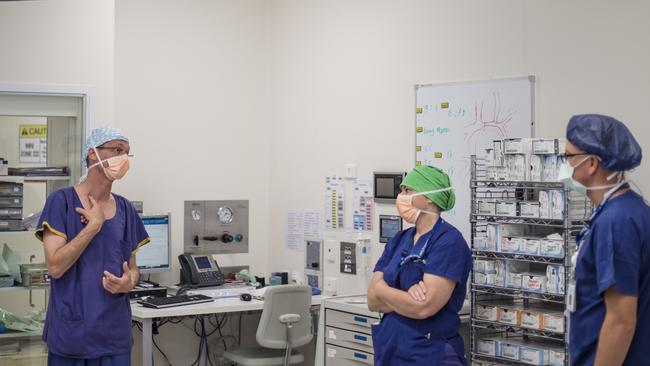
(117,150)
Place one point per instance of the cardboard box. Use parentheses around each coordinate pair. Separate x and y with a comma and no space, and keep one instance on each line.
(554,322)
(514,146)
(480,243)
(550,168)
(487,312)
(493,237)
(556,357)
(509,315)
(513,280)
(555,282)
(487,346)
(484,279)
(536,168)
(551,248)
(544,198)
(506,208)
(533,282)
(529,209)
(533,319)
(557,204)
(484,266)
(487,207)
(509,350)
(500,276)
(531,246)
(545,146)
(533,355)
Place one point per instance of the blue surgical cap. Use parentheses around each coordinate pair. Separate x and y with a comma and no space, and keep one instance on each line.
(101,135)
(607,138)
(98,137)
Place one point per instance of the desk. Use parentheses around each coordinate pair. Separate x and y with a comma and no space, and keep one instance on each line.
(218,306)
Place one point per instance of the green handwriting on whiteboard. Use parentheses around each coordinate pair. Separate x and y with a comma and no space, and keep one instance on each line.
(456,112)
(435,131)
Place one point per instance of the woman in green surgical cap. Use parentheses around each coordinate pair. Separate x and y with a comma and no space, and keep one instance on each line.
(420,280)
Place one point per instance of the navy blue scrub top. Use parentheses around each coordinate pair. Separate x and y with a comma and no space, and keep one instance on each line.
(83,319)
(448,256)
(615,253)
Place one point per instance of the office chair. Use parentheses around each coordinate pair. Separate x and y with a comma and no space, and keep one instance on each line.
(285,324)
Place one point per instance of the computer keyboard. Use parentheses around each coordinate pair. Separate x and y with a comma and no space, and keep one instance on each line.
(222,292)
(178,300)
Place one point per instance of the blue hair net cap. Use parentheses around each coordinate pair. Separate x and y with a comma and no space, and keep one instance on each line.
(101,135)
(607,138)
(98,137)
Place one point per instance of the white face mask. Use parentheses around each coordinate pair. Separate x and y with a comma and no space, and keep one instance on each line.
(565,175)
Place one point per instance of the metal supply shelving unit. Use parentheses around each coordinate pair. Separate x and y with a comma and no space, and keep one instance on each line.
(486,190)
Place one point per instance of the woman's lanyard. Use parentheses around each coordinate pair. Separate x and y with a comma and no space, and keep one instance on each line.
(420,256)
(571,290)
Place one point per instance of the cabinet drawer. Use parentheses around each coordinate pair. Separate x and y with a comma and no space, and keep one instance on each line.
(353,322)
(11,189)
(339,356)
(345,338)
(11,202)
(10,225)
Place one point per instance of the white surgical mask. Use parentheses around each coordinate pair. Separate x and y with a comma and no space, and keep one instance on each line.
(565,175)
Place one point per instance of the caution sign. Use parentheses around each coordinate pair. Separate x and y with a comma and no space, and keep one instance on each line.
(32,143)
(33,131)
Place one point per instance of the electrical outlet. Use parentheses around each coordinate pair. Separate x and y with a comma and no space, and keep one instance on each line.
(296,277)
(330,285)
(350,171)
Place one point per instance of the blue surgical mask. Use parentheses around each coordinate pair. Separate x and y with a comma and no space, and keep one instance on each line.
(565,175)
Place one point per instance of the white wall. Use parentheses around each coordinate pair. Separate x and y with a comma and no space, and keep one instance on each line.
(343,75)
(191,86)
(60,42)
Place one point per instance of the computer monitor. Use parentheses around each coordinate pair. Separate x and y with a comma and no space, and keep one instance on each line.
(389,225)
(156,256)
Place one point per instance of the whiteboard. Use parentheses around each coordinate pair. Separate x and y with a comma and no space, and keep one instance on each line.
(456,120)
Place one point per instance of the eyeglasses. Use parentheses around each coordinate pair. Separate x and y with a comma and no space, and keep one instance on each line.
(564,157)
(118,150)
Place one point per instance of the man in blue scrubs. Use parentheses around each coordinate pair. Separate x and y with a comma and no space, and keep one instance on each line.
(610,320)
(90,237)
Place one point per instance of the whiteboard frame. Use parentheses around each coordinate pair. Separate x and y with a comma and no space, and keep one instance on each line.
(530,78)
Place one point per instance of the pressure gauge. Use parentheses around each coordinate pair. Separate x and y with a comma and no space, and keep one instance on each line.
(196,215)
(225,214)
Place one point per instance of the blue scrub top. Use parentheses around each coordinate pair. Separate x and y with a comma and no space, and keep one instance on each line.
(615,253)
(448,256)
(83,319)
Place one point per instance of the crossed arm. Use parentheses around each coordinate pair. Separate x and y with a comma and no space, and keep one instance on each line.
(423,300)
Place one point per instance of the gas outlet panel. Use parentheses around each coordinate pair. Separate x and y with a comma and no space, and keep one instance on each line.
(216,227)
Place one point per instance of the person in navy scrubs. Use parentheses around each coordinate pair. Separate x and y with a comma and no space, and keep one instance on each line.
(90,237)
(609,290)
(419,283)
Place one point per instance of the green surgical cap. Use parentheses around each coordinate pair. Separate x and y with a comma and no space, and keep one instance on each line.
(427,178)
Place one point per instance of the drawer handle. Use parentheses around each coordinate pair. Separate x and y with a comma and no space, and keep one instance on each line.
(360,355)
(360,320)
(361,338)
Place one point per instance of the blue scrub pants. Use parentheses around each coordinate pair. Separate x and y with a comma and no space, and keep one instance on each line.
(114,360)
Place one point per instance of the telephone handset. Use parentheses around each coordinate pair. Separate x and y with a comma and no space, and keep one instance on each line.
(200,270)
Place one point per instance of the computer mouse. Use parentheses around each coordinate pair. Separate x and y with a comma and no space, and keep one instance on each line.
(246,297)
